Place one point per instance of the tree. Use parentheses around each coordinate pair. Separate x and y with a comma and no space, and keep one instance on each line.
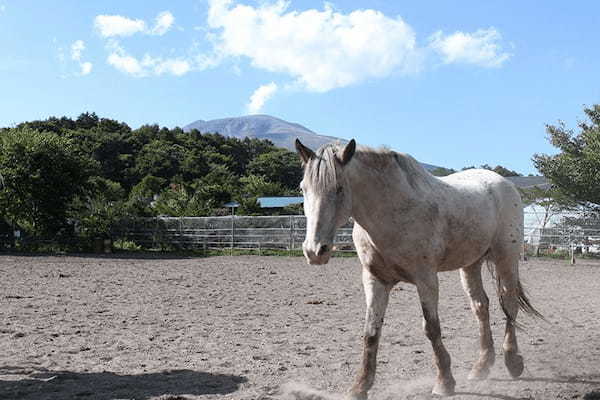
(160,158)
(130,167)
(42,174)
(576,169)
(441,171)
(279,166)
(100,209)
(499,169)
(254,187)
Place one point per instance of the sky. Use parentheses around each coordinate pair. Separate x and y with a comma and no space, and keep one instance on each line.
(451,83)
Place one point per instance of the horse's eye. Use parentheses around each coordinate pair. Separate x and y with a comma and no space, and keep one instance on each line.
(339,190)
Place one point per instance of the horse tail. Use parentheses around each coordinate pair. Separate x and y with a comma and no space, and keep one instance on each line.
(525,304)
(522,297)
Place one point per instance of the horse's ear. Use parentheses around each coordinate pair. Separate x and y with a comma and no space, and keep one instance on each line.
(348,152)
(305,153)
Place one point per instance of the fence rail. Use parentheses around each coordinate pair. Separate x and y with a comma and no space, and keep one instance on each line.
(573,232)
(233,232)
(287,233)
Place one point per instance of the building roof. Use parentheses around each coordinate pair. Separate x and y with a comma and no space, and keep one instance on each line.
(524,182)
(520,181)
(277,202)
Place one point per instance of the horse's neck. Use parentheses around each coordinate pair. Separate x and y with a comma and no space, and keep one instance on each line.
(377,193)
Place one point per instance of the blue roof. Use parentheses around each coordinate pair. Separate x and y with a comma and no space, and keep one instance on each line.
(275,202)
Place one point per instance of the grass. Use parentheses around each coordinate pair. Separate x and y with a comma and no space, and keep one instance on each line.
(124,247)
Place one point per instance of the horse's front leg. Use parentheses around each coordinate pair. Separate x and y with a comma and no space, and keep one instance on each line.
(376,294)
(429,295)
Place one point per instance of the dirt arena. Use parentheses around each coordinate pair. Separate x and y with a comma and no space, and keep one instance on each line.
(269,328)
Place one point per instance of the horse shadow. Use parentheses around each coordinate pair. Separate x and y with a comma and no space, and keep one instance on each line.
(589,380)
(168,385)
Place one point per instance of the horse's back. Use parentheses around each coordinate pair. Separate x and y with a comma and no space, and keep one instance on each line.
(506,204)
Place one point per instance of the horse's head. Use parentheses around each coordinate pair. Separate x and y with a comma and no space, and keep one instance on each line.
(327,197)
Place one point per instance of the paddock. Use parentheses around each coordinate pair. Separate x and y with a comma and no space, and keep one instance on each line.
(250,327)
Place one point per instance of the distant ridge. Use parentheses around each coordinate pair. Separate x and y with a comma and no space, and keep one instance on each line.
(281,133)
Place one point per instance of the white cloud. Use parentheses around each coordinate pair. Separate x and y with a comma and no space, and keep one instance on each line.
(260,96)
(321,49)
(480,48)
(125,63)
(163,23)
(148,65)
(86,68)
(76,49)
(116,25)
(173,66)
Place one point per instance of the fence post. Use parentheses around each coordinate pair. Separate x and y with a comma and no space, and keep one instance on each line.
(291,234)
(571,249)
(232,232)
(155,232)
(180,233)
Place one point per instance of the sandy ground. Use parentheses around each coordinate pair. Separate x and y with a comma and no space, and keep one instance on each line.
(269,328)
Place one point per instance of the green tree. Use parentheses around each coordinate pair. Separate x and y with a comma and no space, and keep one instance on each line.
(42,174)
(252,188)
(160,158)
(575,170)
(139,202)
(100,208)
(500,170)
(441,171)
(279,166)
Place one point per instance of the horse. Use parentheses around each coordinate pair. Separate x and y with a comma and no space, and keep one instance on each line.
(408,226)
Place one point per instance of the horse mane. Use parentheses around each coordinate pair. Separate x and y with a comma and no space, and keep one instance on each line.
(383,159)
(322,169)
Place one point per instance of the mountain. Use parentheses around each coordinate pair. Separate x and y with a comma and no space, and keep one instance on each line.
(281,133)
(278,131)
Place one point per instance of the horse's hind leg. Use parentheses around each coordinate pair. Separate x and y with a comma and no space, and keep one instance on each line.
(509,290)
(428,290)
(473,286)
(376,295)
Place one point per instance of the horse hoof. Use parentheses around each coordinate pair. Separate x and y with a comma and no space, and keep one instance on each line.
(514,364)
(356,396)
(444,388)
(479,374)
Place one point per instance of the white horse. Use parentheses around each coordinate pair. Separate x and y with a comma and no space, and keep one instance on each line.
(410,225)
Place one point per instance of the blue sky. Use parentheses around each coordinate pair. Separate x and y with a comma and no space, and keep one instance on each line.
(452,83)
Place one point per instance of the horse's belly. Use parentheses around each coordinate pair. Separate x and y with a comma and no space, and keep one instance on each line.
(462,254)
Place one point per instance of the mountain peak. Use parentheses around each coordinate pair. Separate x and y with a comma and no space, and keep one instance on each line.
(261,126)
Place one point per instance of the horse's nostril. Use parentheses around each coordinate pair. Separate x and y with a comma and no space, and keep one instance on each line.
(322,250)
